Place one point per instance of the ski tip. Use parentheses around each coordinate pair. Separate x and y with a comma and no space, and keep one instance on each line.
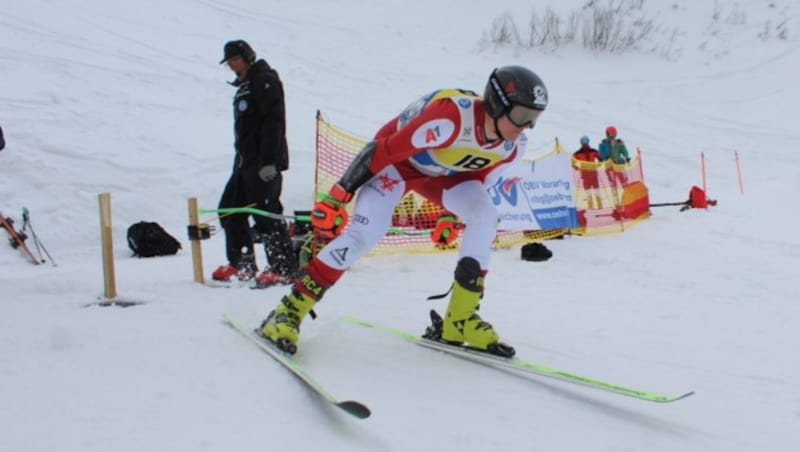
(665,399)
(683,396)
(357,409)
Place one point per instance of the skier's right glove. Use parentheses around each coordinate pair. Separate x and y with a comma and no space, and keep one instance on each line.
(329,215)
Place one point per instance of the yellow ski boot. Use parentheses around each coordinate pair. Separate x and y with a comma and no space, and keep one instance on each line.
(462,324)
(282,325)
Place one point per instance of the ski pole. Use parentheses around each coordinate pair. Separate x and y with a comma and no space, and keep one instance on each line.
(224,214)
(25,226)
(225,211)
(38,243)
(664,204)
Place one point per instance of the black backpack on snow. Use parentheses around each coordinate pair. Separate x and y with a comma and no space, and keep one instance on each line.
(535,252)
(148,239)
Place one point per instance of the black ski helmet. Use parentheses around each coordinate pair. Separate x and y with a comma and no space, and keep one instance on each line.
(238,47)
(513,85)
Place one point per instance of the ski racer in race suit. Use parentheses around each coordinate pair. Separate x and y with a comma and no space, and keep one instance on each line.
(442,146)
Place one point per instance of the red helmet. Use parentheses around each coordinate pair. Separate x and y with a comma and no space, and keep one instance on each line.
(611,131)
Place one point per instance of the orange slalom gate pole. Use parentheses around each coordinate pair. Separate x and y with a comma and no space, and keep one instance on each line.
(639,158)
(703,171)
(739,172)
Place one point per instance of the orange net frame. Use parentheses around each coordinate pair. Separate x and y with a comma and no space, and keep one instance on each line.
(609,197)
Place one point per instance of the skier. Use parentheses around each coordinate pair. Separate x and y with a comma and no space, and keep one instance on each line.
(442,146)
(261,154)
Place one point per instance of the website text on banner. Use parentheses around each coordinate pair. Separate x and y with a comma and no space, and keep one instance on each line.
(536,195)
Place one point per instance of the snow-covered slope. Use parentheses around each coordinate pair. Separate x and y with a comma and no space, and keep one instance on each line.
(126,97)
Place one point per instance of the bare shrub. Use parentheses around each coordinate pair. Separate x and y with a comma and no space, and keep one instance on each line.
(736,16)
(545,31)
(615,26)
(727,14)
(504,31)
(782,31)
(619,26)
(766,32)
(571,32)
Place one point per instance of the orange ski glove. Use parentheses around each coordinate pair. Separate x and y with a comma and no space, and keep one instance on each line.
(446,230)
(329,215)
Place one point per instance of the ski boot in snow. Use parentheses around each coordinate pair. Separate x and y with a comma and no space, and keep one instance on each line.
(227,272)
(245,270)
(461,324)
(282,325)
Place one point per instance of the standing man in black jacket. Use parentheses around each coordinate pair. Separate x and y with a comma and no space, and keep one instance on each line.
(261,155)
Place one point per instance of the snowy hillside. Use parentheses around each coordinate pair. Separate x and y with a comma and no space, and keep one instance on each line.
(127,97)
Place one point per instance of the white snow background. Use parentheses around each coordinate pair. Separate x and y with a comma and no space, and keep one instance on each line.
(127,97)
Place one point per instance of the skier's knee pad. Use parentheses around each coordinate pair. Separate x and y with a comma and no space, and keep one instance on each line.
(469,275)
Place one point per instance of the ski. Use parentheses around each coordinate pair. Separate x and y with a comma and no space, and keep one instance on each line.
(516,364)
(16,240)
(351,407)
(252,285)
(215,284)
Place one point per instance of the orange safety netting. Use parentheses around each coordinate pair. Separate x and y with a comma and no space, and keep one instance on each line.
(609,197)
(414,217)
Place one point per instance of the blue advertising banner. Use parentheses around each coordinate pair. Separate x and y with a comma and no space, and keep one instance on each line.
(533,195)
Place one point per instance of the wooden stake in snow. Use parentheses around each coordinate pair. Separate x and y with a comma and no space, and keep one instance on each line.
(109,280)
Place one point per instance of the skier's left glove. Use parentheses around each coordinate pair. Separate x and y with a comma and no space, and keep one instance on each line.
(329,216)
(446,230)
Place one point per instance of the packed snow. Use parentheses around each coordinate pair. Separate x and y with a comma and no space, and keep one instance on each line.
(127,98)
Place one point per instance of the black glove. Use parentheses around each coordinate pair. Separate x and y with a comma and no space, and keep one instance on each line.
(267,173)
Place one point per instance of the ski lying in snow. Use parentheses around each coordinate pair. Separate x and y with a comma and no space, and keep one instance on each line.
(515,364)
(16,239)
(216,284)
(351,407)
(252,284)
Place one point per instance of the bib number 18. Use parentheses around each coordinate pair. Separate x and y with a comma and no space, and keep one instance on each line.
(472,162)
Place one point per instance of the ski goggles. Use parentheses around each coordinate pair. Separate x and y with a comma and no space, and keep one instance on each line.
(522,116)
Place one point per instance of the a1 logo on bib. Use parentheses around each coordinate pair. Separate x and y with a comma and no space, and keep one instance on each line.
(433,133)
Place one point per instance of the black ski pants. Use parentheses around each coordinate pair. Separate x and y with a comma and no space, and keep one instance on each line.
(244,188)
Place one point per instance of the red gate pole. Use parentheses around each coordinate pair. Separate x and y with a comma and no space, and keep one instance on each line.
(739,172)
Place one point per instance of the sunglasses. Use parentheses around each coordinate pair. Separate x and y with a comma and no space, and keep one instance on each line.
(522,116)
